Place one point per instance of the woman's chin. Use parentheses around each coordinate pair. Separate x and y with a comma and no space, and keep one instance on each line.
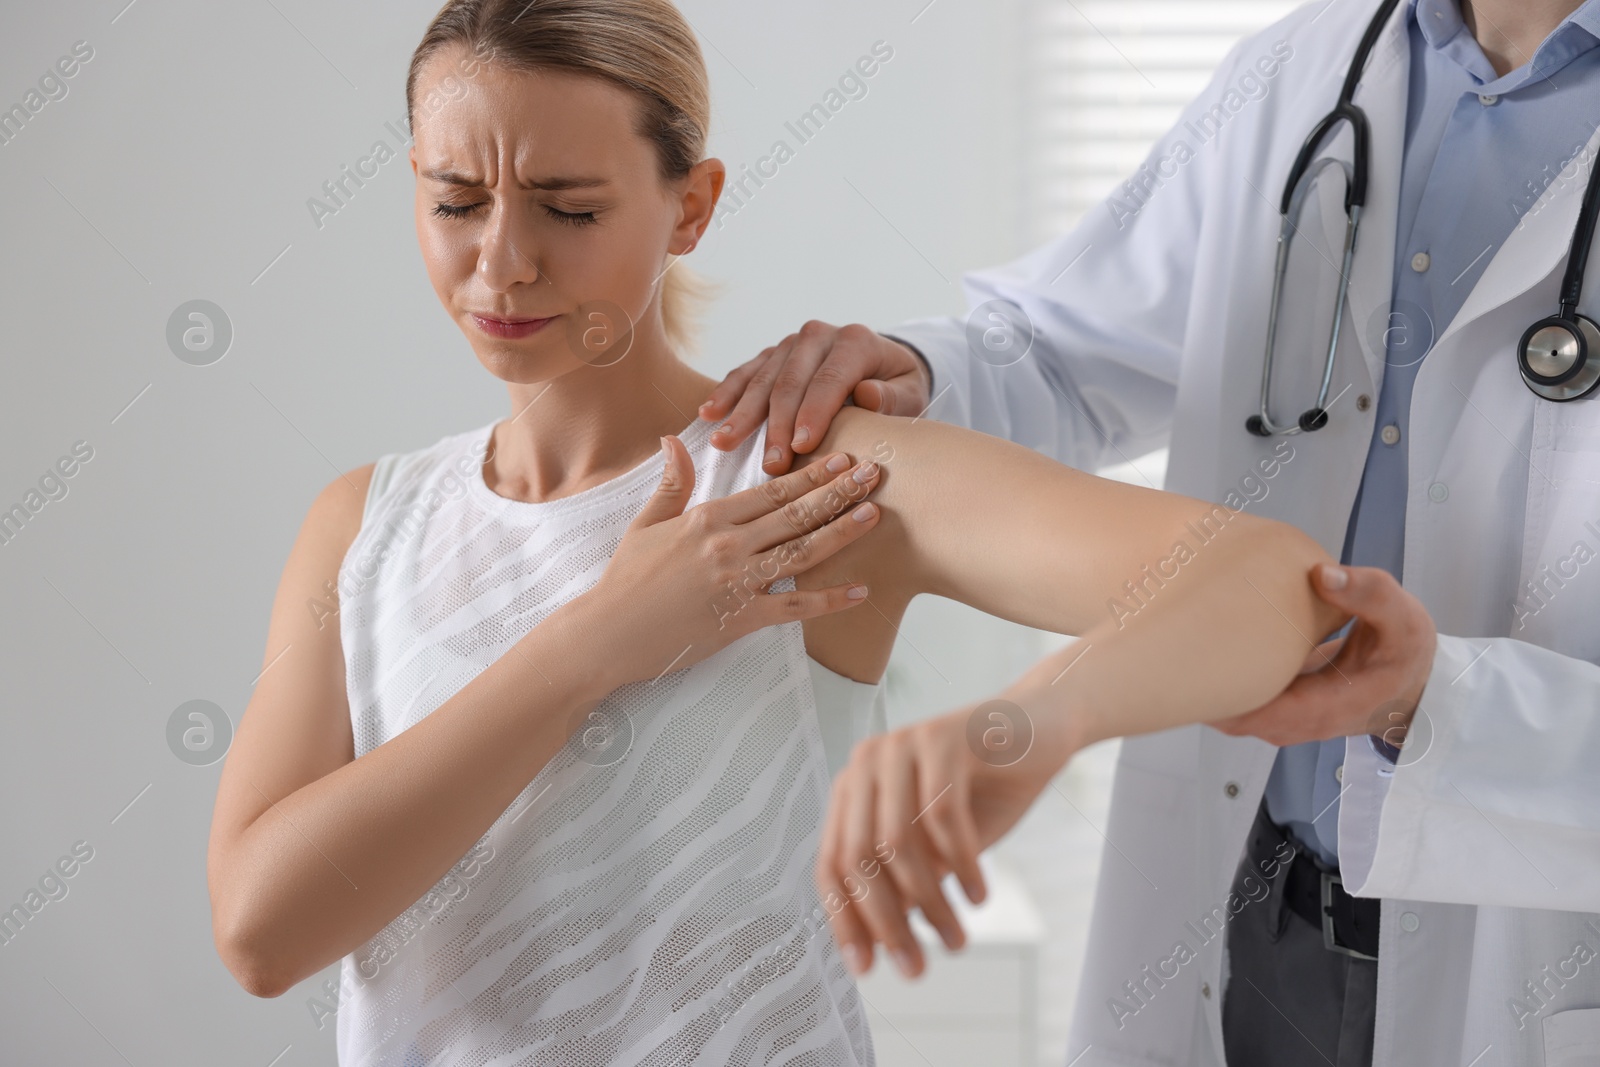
(516,365)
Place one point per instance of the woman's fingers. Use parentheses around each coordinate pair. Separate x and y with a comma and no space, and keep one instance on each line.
(761,609)
(946,819)
(900,809)
(788,527)
(899,818)
(677,483)
(855,944)
(871,894)
(806,551)
(760,501)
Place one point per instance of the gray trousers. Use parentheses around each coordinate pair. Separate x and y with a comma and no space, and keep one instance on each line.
(1289,1000)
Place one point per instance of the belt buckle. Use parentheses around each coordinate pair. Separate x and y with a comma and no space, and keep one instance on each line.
(1329,880)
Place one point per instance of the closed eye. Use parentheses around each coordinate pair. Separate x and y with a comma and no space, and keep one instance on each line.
(454,211)
(570,218)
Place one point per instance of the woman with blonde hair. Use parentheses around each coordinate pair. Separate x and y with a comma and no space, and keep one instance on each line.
(545,763)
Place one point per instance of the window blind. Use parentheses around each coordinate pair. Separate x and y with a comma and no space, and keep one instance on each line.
(1107,78)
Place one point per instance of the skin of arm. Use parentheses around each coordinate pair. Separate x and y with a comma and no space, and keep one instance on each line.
(313,851)
(1006,530)
(383,829)
(1219,630)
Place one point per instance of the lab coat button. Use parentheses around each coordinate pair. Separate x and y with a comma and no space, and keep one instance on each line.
(1437,492)
(1390,434)
(1205,990)
(1420,261)
(1232,789)
(1363,402)
(1409,921)
(1488,99)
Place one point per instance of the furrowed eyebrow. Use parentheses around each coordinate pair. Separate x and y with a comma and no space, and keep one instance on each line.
(450,177)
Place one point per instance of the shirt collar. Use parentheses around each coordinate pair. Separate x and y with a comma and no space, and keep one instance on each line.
(1445,31)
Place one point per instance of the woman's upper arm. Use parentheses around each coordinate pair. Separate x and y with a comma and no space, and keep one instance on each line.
(296,728)
(1009,531)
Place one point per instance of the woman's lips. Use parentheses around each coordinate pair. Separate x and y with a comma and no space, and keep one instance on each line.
(510,329)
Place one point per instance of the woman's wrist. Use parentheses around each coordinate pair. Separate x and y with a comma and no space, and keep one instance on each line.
(577,647)
(1051,708)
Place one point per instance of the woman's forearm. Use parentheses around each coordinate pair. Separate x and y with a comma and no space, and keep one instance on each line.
(1224,635)
(329,865)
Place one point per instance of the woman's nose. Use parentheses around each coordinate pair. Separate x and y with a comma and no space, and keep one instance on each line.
(505,256)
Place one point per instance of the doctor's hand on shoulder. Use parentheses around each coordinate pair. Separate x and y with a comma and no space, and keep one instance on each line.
(1367,682)
(799,384)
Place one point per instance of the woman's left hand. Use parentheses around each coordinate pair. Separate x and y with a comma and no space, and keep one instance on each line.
(915,804)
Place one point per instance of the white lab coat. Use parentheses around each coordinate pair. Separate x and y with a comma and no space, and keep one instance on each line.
(1150,327)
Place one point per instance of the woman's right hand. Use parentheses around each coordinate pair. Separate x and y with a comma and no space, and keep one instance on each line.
(681,586)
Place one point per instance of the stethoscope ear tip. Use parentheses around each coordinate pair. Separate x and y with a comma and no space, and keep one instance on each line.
(1313,419)
(1256,425)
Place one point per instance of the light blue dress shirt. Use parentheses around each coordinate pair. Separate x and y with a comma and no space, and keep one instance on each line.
(1479,151)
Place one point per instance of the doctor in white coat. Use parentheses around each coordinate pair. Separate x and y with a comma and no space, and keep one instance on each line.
(1437,463)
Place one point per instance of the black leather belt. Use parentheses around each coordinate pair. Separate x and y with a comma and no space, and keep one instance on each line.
(1349,924)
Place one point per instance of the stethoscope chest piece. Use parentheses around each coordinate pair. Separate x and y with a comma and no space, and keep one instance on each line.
(1559,357)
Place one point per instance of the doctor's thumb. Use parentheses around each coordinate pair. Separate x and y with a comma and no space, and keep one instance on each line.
(1358,590)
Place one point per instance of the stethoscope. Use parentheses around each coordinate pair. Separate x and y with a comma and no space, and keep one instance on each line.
(1559,356)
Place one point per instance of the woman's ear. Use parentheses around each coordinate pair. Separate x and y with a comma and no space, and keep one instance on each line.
(702,188)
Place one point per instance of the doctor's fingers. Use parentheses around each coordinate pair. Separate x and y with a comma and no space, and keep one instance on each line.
(1379,602)
(728,394)
(772,368)
(858,363)
(1322,655)
(906,853)
(1336,701)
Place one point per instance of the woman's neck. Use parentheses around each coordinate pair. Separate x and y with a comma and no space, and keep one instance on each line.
(591,425)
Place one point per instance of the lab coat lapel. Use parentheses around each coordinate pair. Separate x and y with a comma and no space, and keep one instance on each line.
(1382,95)
(1537,246)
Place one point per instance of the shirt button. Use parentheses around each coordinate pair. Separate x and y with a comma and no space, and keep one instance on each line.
(1488,99)
(1437,492)
(1338,773)
(1232,789)
(1409,921)
(1420,261)
(1390,434)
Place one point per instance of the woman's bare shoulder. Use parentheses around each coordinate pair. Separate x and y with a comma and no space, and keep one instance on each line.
(335,515)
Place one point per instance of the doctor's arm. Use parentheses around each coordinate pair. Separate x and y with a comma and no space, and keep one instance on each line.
(1187,611)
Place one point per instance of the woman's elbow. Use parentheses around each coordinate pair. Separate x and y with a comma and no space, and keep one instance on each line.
(247,942)
(1293,554)
(246,951)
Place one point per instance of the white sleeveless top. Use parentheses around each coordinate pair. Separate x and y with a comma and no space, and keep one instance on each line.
(648,897)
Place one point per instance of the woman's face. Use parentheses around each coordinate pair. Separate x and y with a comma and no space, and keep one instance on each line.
(541,214)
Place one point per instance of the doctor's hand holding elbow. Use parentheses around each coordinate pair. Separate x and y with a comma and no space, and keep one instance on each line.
(1369,681)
